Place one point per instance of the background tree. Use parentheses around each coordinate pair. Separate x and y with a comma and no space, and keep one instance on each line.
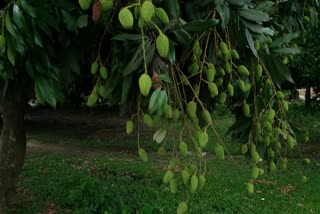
(170,61)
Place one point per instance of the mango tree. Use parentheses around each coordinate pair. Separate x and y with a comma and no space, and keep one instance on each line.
(171,61)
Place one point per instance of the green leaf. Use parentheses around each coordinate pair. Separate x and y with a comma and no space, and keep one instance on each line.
(11,54)
(290,51)
(252,25)
(183,37)
(162,101)
(174,8)
(69,20)
(238,2)
(128,37)
(82,21)
(264,5)
(251,42)
(283,39)
(165,77)
(254,15)
(19,19)
(224,13)
(200,26)
(9,25)
(48,90)
(160,135)
(28,8)
(153,104)
(277,70)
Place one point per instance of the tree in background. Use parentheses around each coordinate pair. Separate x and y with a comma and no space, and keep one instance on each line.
(171,62)
(305,66)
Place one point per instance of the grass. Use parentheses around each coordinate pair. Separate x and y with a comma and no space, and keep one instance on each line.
(120,183)
(130,186)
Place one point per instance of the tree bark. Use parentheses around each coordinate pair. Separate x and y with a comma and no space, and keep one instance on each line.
(12,145)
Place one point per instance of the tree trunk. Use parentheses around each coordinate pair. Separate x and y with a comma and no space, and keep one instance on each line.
(308,97)
(12,145)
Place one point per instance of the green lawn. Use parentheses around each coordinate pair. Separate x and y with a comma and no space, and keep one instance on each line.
(119,182)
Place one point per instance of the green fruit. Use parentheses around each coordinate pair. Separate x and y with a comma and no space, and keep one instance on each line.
(242,70)
(290,141)
(230,90)
(261,171)
(210,73)
(221,71)
(126,18)
(129,127)
(173,186)
(219,150)
(203,139)
(168,176)
(276,132)
(250,188)
(270,114)
(222,98)
(194,182)
(245,109)
(162,15)
(2,42)
(145,84)
(304,179)
(148,120)
(161,151)
(143,155)
(258,71)
(269,40)
(197,51)
(255,157)
(244,148)
(183,148)
(257,45)
(162,44)
(306,161)
(104,72)
(242,86)
(213,89)
(224,48)
(234,54)
(147,11)
(85,4)
(194,68)
(255,172)
(185,176)
(182,208)
(271,153)
(156,120)
(285,105)
(219,81)
(106,5)
(192,109)
(206,116)
(176,115)
(193,167)
(266,140)
(306,138)
(94,67)
(92,99)
(102,91)
(168,111)
(280,95)
(272,167)
(306,19)
(202,181)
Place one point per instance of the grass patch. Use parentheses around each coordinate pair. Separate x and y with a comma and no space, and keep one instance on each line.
(125,185)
